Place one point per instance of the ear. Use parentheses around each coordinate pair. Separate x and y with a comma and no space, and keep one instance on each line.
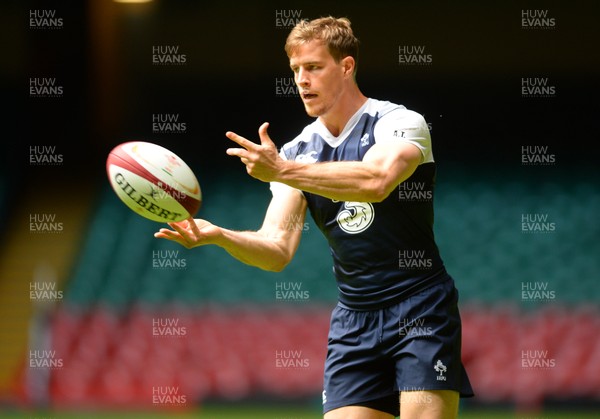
(348,65)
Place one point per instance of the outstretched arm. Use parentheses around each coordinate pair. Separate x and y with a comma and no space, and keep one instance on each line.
(270,248)
(369,180)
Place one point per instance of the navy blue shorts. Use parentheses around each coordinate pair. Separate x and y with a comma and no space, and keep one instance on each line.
(414,345)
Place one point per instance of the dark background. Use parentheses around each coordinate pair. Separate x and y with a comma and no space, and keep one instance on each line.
(470,94)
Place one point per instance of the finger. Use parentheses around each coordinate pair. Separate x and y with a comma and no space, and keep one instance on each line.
(165,233)
(161,235)
(194,227)
(183,224)
(264,136)
(240,140)
(183,232)
(238,152)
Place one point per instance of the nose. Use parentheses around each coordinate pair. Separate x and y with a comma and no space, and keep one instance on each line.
(302,79)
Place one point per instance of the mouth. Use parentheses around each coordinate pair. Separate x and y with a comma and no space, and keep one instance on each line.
(308,96)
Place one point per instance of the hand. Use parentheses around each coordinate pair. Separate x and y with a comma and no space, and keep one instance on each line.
(190,233)
(262,160)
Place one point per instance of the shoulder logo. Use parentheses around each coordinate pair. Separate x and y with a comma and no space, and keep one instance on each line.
(356,217)
(364,141)
(307,158)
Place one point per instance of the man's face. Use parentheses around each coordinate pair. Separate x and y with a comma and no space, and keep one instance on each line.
(318,77)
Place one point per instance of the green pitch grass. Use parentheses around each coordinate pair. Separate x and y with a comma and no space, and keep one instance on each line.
(240,412)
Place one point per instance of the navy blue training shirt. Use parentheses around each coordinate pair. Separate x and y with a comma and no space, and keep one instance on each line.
(382,252)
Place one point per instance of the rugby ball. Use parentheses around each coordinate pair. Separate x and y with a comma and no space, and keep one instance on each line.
(153,181)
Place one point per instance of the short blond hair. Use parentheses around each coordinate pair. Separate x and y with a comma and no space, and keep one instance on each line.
(336,33)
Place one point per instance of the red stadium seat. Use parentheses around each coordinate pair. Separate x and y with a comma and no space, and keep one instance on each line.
(116,360)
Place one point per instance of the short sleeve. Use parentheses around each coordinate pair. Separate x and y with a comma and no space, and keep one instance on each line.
(405,125)
(278,187)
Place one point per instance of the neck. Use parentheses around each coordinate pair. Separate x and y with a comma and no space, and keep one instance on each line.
(347,104)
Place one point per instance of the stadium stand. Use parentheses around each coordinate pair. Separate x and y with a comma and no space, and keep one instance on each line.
(230,337)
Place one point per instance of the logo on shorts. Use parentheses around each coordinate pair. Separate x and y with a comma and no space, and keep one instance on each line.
(356,217)
(441,369)
(324,396)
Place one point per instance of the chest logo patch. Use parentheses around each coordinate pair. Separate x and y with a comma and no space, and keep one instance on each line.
(356,217)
